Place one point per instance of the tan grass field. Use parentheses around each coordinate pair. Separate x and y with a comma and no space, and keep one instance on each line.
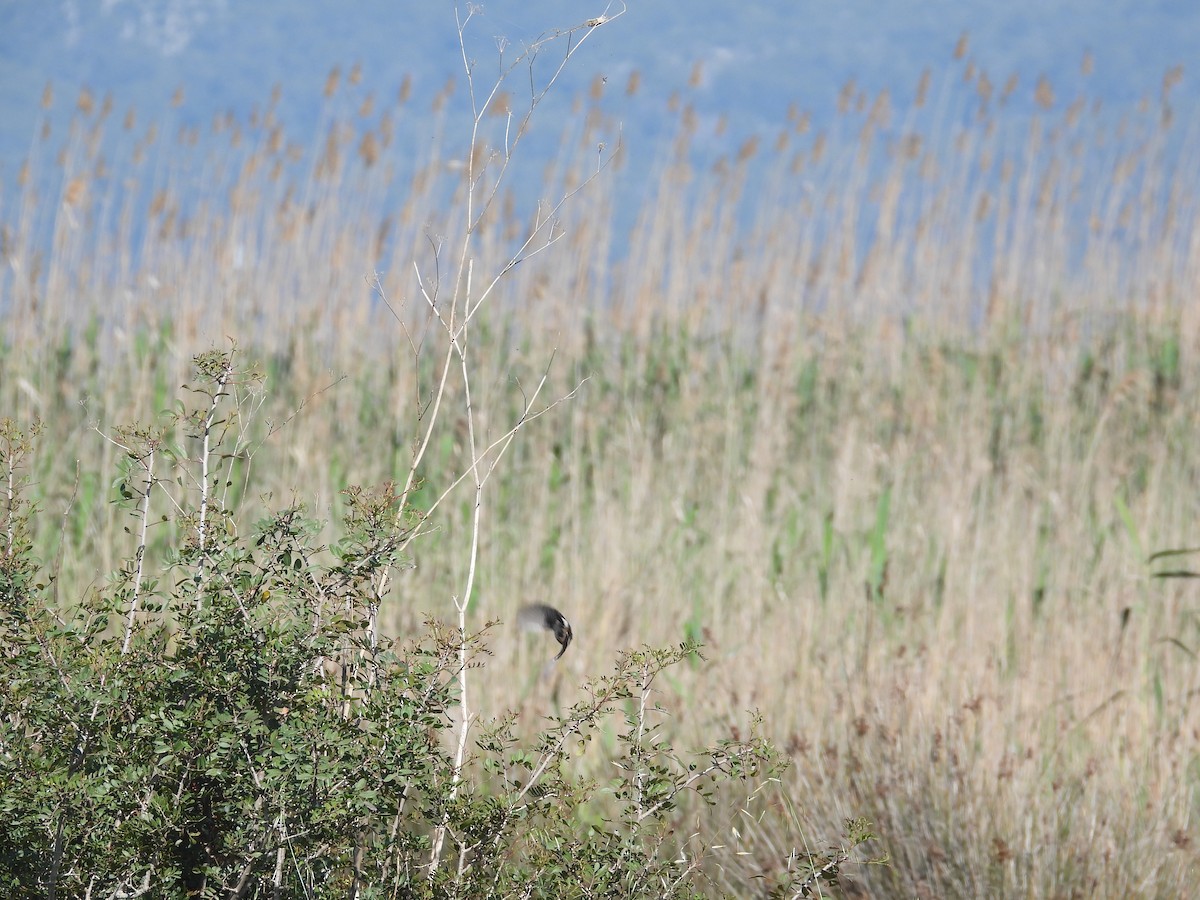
(890,420)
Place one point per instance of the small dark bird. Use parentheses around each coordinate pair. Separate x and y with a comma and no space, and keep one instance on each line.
(539,615)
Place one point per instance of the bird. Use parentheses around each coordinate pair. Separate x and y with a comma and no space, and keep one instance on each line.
(538,615)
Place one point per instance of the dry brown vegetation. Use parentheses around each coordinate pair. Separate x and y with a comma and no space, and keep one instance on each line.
(890,418)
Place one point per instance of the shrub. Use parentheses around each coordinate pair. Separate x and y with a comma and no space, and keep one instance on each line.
(235,726)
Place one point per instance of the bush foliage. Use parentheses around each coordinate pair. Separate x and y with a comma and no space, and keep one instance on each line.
(234,726)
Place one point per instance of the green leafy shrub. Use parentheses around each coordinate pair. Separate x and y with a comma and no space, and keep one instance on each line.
(236,726)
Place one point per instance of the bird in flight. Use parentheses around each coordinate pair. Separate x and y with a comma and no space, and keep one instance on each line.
(538,616)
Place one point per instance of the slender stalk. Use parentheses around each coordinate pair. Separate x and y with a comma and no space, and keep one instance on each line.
(205,454)
(639,778)
(10,518)
(140,555)
(461,603)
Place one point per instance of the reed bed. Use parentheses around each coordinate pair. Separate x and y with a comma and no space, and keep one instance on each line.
(891,417)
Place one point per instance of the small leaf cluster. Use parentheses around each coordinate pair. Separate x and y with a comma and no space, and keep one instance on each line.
(811,873)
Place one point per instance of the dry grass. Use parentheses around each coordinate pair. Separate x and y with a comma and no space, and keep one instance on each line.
(890,417)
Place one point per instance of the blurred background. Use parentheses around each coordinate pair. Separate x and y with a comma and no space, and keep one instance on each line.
(742,65)
(879,321)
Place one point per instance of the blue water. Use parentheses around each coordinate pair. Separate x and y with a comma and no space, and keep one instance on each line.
(740,66)
(757,58)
